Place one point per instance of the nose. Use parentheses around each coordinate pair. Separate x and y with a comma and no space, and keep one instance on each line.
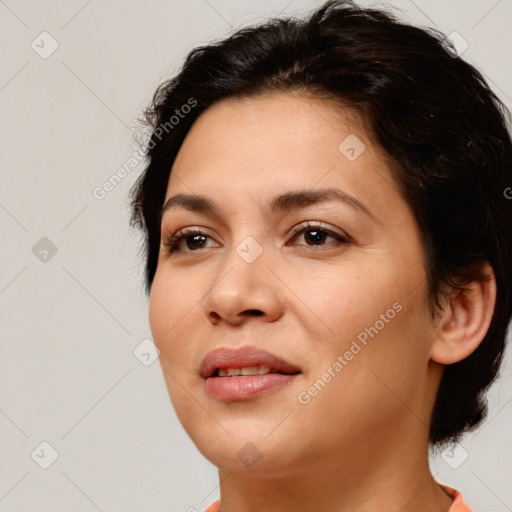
(242,291)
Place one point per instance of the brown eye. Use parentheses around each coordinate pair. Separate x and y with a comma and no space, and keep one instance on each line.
(187,240)
(319,236)
(315,236)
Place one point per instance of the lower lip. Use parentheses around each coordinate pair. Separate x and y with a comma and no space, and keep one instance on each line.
(246,386)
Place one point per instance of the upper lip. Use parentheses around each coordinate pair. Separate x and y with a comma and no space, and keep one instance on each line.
(241,357)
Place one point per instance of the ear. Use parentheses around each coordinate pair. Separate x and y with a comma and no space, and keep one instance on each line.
(464,321)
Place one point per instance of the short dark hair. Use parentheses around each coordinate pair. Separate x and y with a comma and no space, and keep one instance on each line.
(442,129)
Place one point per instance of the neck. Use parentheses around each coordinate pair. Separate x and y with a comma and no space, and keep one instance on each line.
(372,476)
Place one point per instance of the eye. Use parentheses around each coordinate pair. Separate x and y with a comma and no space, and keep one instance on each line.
(316,235)
(192,238)
(188,240)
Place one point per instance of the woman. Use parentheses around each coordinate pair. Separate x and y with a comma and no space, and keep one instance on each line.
(328,255)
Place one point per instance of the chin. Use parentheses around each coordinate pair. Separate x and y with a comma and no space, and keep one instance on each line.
(247,446)
(247,458)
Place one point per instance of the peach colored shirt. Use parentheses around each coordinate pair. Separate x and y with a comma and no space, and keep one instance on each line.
(458,504)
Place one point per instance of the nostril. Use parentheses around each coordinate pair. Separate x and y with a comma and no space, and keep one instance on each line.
(254,312)
(214,317)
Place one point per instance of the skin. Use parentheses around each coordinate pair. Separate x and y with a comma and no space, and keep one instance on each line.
(362,442)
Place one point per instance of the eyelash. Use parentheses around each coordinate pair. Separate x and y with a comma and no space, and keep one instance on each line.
(172,242)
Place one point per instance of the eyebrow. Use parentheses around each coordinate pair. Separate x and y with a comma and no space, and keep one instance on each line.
(286,202)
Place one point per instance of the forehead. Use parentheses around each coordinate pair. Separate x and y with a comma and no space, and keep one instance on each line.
(268,133)
(245,149)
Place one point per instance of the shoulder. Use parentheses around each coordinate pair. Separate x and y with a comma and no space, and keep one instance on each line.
(458,504)
(214,507)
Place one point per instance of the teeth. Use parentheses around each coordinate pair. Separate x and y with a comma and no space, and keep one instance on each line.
(249,370)
(246,370)
(230,372)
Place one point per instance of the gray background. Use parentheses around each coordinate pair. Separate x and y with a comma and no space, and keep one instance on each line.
(72,320)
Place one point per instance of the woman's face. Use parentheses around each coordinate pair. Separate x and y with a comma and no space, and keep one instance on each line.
(305,250)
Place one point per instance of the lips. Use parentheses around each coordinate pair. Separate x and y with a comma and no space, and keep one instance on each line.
(230,358)
(245,373)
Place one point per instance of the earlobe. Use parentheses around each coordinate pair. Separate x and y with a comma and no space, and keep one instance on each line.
(464,322)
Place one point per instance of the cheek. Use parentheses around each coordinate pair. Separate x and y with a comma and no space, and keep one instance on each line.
(379,305)
(161,310)
(373,371)
(171,302)
(170,305)
(348,297)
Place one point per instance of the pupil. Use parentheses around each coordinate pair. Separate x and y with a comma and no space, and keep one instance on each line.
(315,236)
(195,241)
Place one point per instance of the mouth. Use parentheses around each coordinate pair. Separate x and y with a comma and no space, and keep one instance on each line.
(247,371)
(244,373)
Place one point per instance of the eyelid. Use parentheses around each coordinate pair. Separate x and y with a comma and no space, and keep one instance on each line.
(311,224)
(169,238)
(169,241)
